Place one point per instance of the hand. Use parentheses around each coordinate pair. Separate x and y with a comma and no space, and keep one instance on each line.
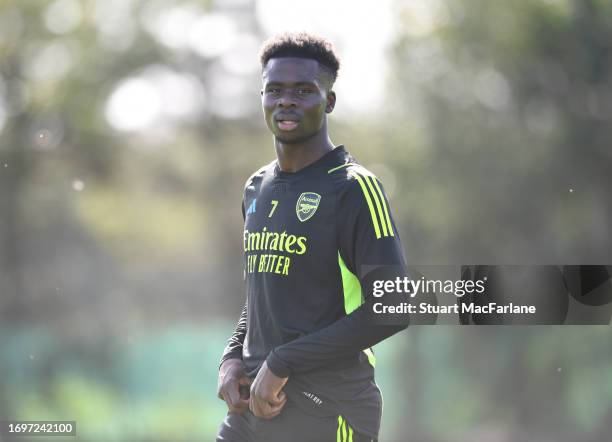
(267,397)
(232,379)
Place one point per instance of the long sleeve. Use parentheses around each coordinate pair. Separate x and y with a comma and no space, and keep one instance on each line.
(367,240)
(233,349)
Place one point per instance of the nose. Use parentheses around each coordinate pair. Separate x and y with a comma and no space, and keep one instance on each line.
(286,99)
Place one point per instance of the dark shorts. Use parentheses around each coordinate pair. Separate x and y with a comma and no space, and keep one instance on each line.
(291,425)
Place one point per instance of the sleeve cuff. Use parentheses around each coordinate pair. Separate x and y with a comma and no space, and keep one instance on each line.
(277,366)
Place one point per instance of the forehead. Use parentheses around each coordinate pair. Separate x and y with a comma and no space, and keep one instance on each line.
(291,70)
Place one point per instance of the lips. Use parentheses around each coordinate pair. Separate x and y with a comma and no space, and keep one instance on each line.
(287,122)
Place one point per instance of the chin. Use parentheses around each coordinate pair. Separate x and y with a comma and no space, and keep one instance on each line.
(287,140)
(291,138)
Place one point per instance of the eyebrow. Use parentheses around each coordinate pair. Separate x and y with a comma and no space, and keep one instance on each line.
(297,83)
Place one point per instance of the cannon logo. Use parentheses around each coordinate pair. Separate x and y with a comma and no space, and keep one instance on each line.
(307,205)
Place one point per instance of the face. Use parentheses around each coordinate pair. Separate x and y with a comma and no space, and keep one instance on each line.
(294,99)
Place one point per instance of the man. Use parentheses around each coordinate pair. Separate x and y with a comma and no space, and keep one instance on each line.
(314,221)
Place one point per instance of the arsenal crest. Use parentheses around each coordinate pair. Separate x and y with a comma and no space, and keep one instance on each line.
(307,205)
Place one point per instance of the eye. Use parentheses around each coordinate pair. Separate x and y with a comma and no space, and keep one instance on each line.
(303,91)
(273,90)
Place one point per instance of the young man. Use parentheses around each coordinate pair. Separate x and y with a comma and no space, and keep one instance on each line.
(299,365)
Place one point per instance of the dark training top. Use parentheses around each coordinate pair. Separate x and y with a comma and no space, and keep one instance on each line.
(308,239)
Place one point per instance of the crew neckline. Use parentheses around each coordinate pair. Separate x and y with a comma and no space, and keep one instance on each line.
(312,166)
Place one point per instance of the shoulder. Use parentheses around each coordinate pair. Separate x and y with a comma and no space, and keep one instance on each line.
(258,174)
(354,181)
(363,200)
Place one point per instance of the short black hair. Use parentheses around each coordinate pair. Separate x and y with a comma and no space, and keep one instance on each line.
(302,45)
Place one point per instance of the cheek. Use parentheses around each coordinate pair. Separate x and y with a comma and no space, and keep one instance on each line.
(317,113)
(317,108)
(267,108)
(267,100)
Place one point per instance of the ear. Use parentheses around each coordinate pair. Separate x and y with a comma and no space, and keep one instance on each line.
(331,102)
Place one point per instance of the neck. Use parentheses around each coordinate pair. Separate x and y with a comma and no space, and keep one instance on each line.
(295,156)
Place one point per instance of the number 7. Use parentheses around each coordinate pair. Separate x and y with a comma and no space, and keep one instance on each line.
(274,204)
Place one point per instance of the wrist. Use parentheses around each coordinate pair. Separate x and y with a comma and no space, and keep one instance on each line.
(230,363)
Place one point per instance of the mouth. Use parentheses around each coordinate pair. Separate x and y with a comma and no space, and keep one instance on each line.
(287,122)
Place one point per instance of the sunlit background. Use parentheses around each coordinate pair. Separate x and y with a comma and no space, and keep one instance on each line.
(128,128)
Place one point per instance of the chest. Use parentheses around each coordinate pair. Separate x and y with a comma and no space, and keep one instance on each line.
(295,208)
(294,221)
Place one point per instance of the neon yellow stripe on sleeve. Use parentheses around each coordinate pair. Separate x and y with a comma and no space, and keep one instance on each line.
(381,216)
(384,203)
(371,358)
(369,201)
(353,297)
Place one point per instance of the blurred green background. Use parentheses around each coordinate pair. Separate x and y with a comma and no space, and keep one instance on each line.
(128,128)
